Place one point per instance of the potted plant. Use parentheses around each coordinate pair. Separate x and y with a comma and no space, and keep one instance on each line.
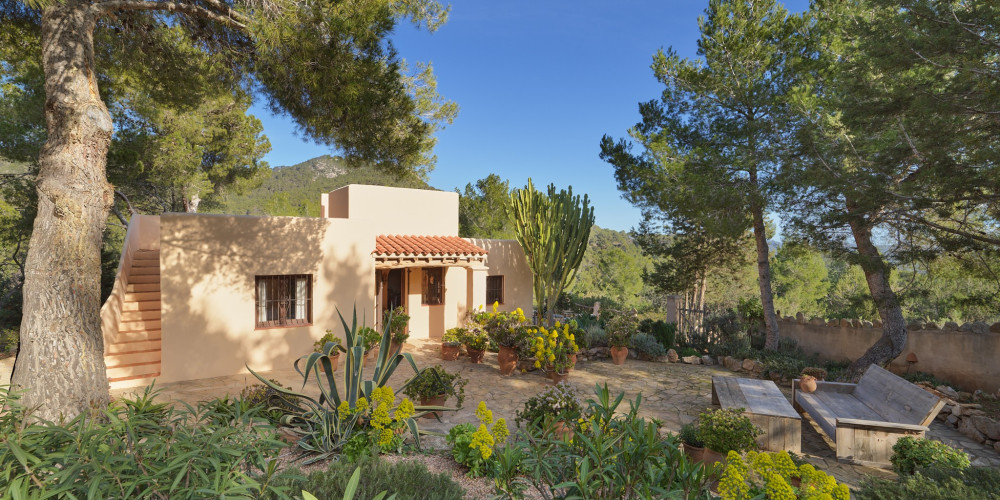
(505,329)
(476,341)
(574,332)
(370,339)
(726,430)
(396,320)
(557,408)
(451,342)
(552,348)
(433,386)
(620,330)
(329,344)
(694,447)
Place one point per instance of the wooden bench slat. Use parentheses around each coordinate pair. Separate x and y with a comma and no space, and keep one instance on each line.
(820,413)
(764,398)
(895,399)
(847,406)
(881,425)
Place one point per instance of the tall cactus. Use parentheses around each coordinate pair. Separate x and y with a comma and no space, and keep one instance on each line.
(553,230)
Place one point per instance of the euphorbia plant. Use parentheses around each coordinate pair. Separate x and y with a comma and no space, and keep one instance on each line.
(503,328)
(552,348)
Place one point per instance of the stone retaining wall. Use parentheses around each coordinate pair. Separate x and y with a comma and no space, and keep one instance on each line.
(966,356)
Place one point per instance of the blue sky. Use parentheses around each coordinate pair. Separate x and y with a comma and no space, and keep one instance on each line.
(538,83)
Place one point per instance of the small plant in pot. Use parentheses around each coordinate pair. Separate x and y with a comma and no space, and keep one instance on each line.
(552,349)
(506,330)
(726,430)
(476,341)
(451,343)
(694,447)
(370,339)
(620,330)
(434,385)
(397,320)
(557,408)
(329,345)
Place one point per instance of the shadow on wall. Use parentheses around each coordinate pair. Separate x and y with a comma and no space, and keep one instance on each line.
(506,257)
(208,267)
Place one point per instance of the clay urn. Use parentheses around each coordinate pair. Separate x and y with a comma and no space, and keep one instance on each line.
(807,383)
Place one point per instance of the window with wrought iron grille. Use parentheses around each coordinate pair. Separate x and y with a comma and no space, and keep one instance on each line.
(433,292)
(494,289)
(283,300)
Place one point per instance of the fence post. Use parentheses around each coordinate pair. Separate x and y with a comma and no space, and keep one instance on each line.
(673,304)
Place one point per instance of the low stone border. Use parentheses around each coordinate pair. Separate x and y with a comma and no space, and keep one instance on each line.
(967,418)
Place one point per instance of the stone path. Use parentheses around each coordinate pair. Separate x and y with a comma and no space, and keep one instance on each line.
(674,393)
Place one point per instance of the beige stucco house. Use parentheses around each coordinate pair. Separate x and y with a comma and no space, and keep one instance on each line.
(201,295)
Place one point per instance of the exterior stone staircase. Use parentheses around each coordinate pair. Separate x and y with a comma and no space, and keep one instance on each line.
(134,358)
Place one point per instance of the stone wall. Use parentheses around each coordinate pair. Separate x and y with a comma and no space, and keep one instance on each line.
(964,355)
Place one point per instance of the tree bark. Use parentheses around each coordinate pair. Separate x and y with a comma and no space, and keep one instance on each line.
(61,360)
(764,280)
(893,339)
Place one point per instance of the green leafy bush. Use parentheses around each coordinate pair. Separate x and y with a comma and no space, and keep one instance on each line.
(396,321)
(662,331)
(984,479)
(327,338)
(727,429)
(689,435)
(139,448)
(688,351)
(408,480)
(453,336)
(555,403)
(435,381)
(910,453)
(593,336)
(621,328)
(910,487)
(648,345)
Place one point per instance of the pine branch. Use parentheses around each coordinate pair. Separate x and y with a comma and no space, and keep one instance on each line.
(226,16)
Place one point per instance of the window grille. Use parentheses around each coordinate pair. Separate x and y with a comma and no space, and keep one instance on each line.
(494,289)
(283,300)
(433,292)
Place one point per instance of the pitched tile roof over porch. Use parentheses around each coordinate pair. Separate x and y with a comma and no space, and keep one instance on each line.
(411,251)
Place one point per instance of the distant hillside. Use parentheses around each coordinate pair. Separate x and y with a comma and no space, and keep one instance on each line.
(296,190)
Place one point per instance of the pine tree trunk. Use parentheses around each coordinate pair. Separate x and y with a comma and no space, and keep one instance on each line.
(61,360)
(893,339)
(764,280)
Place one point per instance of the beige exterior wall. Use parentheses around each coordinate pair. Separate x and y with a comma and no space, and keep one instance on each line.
(143,233)
(208,264)
(963,358)
(506,257)
(396,210)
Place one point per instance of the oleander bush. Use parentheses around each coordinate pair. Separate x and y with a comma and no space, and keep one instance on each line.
(407,480)
(909,454)
(139,448)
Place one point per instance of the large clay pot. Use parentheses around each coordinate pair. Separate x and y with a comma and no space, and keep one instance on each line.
(712,457)
(334,363)
(395,348)
(433,401)
(694,454)
(475,355)
(449,352)
(562,430)
(572,362)
(507,358)
(807,383)
(619,354)
(557,377)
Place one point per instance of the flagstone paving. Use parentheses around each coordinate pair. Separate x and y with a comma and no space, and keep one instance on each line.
(673,393)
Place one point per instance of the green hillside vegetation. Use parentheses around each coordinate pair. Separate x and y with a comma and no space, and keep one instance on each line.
(612,271)
(296,190)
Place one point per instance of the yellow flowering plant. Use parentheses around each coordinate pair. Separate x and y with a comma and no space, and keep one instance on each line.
(505,329)
(771,475)
(474,446)
(552,348)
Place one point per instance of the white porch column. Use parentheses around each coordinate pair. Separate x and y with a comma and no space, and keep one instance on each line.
(476,287)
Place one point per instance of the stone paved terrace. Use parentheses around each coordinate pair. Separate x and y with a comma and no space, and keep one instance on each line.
(674,393)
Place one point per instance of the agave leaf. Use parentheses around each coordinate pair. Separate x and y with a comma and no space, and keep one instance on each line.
(412,424)
(280,389)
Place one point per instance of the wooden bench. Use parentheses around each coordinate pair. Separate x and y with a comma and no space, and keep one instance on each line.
(867,418)
(767,408)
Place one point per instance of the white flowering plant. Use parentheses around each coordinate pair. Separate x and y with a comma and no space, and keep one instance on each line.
(560,402)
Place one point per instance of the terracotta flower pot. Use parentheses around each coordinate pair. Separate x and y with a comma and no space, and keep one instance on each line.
(712,457)
(619,354)
(807,383)
(694,454)
(562,430)
(395,348)
(475,355)
(526,365)
(433,401)
(449,352)
(572,362)
(507,358)
(334,363)
(557,377)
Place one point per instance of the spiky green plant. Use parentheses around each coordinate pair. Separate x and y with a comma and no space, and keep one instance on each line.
(322,424)
(553,230)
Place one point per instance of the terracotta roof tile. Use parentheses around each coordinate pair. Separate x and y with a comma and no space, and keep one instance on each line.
(425,245)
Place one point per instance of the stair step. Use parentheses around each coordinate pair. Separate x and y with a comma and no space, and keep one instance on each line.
(129,316)
(134,381)
(145,271)
(132,358)
(144,278)
(134,370)
(129,346)
(142,287)
(143,327)
(141,305)
(142,261)
(141,296)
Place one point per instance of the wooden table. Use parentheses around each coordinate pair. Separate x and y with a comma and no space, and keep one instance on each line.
(767,408)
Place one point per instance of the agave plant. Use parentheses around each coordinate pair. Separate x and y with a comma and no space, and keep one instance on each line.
(326,424)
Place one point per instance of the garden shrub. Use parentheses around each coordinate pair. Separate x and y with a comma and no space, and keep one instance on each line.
(613,454)
(727,429)
(646,344)
(139,448)
(273,404)
(925,488)
(593,336)
(408,480)
(473,447)
(663,332)
(770,475)
(984,479)
(688,351)
(910,453)
(555,403)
